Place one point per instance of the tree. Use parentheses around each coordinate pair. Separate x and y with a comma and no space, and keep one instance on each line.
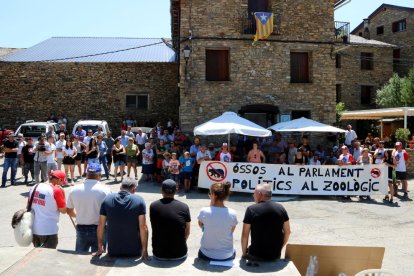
(340,109)
(397,92)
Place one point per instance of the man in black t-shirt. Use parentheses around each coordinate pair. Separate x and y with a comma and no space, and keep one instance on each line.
(267,222)
(170,221)
(10,159)
(28,160)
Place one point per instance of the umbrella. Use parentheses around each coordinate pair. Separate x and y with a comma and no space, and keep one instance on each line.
(304,125)
(228,123)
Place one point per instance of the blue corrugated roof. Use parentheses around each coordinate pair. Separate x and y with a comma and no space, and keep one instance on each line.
(96,49)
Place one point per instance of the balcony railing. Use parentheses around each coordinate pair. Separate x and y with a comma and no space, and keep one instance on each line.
(248,24)
(342,30)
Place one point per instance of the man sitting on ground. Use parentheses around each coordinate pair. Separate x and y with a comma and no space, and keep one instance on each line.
(170,222)
(269,225)
(124,215)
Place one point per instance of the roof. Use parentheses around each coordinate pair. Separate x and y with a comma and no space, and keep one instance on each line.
(96,49)
(377,114)
(381,8)
(339,2)
(359,40)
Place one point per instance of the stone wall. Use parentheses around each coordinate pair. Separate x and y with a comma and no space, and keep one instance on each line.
(259,73)
(351,77)
(404,39)
(87,90)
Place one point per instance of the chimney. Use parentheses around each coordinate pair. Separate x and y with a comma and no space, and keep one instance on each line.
(366,34)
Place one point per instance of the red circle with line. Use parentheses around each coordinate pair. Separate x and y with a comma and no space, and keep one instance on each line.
(375,172)
(216,173)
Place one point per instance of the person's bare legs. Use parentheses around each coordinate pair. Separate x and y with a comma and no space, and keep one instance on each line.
(128,168)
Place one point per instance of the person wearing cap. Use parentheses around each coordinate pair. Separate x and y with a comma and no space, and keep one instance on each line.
(224,155)
(187,163)
(60,144)
(123,213)
(345,158)
(48,202)
(84,203)
(169,218)
(401,160)
(27,160)
(10,161)
(42,152)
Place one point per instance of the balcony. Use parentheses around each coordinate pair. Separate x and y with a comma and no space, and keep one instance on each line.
(342,30)
(248,24)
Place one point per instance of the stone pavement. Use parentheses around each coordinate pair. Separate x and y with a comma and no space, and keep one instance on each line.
(314,220)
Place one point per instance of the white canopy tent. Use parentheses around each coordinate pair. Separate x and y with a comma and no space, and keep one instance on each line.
(304,125)
(228,123)
(379,114)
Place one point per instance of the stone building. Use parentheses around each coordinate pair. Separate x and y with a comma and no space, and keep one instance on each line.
(394,25)
(96,78)
(362,67)
(289,75)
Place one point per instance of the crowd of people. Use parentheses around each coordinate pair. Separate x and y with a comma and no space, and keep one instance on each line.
(167,153)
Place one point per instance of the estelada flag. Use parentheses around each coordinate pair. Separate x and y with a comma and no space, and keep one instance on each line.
(264,25)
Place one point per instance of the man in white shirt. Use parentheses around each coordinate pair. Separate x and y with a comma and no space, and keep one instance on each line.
(84,203)
(60,144)
(350,136)
(141,138)
(401,160)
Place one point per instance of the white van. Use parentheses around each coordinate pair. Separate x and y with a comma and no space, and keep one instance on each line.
(33,129)
(91,124)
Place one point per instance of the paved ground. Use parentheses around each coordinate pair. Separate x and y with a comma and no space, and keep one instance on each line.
(314,220)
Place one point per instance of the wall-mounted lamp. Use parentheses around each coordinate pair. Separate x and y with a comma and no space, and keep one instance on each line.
(187,53)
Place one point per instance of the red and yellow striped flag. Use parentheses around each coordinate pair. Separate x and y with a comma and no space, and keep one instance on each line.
(264,25)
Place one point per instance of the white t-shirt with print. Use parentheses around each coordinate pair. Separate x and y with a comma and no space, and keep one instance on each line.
(59,146)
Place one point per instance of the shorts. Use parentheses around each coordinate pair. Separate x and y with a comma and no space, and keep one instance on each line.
(49,241)
(68,161)
(401,175)
(84,158)
(187,175)
(175,177)
(78,157)
(119,163)
(131,159)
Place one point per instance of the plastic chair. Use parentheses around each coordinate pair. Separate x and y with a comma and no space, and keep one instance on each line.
(376,272)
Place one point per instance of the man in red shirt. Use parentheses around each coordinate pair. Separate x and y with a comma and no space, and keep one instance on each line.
(48,202)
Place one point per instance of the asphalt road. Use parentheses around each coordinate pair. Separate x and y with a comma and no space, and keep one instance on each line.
(314,220)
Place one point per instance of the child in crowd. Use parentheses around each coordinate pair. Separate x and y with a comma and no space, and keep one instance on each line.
(187,164)
(174,169)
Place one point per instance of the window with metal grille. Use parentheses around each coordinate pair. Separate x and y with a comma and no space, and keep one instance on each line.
(299,67)
(217,65)
(367,61)
(399,26)
(366,94)
(136,101)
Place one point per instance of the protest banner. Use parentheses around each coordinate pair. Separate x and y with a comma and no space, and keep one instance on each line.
(297,179)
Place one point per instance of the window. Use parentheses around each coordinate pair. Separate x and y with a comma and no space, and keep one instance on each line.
(299,67)
(297,114)
(338,61)
(396,56)
(366,94)
(338,92)
(360,34)
(217,65)
(136,101)
(380,30)
(367,61)
(255,6)
(399,26)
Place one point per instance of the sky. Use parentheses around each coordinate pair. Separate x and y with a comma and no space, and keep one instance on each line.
(24,23)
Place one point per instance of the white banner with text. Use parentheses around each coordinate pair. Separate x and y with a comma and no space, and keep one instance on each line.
(297,179)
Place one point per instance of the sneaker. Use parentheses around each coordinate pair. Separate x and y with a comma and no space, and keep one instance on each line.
(405,195)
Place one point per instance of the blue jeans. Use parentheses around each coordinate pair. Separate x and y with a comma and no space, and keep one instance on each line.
(86,238)
(102,160)
(12,164)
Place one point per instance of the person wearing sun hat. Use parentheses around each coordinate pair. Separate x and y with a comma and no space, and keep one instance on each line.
(48,202)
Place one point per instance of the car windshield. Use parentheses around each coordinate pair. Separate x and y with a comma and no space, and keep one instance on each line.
(32,131)
(86,127)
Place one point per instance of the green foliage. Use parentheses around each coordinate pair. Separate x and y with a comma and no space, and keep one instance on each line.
(339,109)
(402,134)
(397,92)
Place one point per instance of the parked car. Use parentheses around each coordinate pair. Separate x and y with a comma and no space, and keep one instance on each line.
(91,124)
(34,129)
